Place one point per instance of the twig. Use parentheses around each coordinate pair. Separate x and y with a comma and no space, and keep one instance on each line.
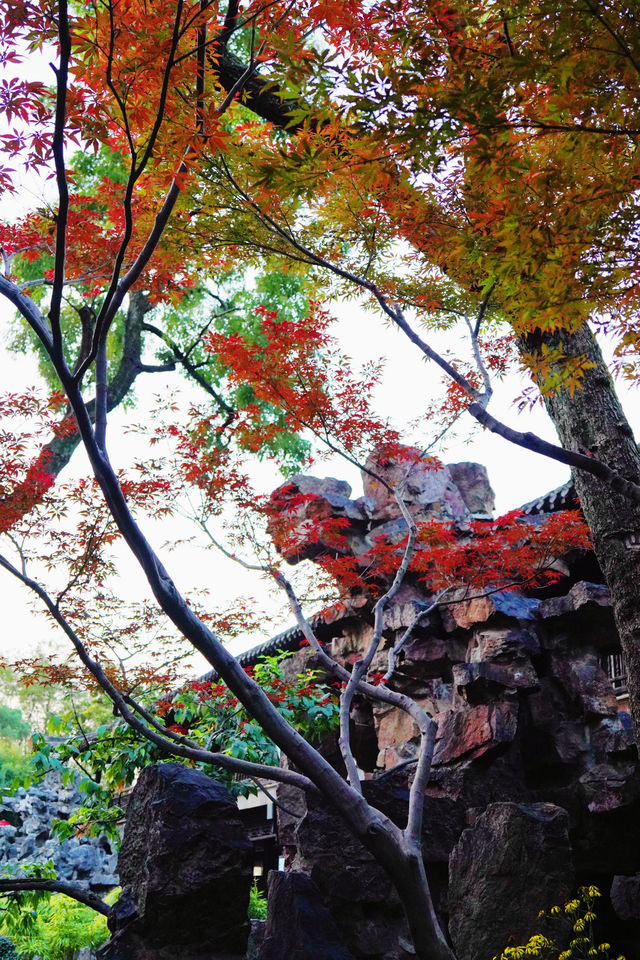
(406,636)
(275,801)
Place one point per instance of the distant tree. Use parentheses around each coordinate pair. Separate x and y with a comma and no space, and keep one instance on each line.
(12,724)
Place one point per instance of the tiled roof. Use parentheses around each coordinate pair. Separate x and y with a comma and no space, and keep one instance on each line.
(562,498)
(289,640)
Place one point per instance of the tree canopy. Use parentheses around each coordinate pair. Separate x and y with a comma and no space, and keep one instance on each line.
(462,167)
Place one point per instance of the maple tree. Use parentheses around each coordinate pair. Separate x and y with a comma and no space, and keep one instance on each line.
(487,161)
(204,186)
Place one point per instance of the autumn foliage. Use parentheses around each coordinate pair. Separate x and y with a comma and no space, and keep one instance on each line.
(467,168)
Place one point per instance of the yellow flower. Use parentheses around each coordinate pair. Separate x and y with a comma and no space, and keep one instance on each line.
(579,925)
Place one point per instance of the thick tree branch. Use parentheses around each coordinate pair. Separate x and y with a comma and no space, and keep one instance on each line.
(101,394)
(73,890)
(62,77)
(29,311)
(575,460)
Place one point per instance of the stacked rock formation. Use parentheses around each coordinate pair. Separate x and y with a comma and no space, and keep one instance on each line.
(26,836)
(529,732)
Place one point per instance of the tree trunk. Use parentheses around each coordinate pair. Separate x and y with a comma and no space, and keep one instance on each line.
(592,421)
(411,883)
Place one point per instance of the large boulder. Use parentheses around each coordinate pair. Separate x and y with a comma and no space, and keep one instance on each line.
(515,861)
(299,926)
(356,890)
(185,868)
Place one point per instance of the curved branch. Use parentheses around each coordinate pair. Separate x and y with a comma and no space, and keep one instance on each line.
(73,890)
(529,441)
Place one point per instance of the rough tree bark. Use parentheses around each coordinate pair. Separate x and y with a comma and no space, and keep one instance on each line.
(593,422)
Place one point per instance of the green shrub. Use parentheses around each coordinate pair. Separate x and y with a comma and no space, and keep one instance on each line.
(13,726)
(257,904)
(15,762)
(60,928)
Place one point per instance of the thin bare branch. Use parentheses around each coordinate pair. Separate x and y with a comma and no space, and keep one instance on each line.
(183,359)
(397,648)
(166,741)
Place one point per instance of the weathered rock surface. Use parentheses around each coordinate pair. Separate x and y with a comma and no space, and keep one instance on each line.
(299,926)
(518,685)
(185,867)
(625,897)
(515,861)
(472,480)
(584,681)
(303,509)
(355,890)
(427,487)
(27,835)
(471,731)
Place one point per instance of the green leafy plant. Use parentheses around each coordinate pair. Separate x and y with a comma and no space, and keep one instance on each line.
(50,927)
(257,909)
(15,763)
(12,724)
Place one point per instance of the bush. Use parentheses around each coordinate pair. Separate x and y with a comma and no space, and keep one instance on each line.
(15,762)
(12,724)
(60,929)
